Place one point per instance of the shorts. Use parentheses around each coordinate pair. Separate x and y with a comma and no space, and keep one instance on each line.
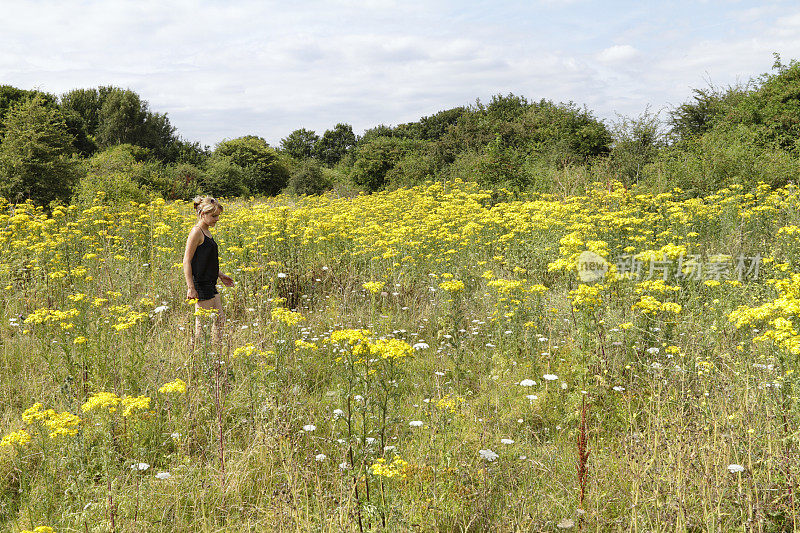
(205,291)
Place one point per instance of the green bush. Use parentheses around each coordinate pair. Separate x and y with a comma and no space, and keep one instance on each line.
(309,178)
(263,170)
(121,173)
(223,177)
(720,158)
(185,182)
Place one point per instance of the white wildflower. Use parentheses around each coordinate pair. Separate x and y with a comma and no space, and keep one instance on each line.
(487,454)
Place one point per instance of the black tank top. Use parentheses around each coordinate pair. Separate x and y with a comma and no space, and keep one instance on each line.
(205,262)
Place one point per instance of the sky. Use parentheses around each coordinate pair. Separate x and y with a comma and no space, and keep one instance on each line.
(223,69)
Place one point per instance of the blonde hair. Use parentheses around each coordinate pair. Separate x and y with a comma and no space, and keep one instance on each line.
(206,204)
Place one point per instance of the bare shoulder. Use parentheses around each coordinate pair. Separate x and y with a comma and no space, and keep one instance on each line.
(195,236)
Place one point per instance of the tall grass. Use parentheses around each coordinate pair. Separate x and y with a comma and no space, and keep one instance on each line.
(411,360)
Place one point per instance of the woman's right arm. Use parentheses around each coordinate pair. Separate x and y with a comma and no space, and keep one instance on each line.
(192,242)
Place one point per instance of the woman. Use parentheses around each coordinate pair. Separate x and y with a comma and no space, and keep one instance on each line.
(201,264)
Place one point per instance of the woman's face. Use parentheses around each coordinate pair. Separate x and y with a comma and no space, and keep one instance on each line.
(210,218)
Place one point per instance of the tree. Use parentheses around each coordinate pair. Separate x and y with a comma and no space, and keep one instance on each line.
(507,108)
(381,130)
(636,144)
(563,133)
(87,104)
(223,177)
(309,178)
(374,159)
(124,118)
(707,106)
(334,144)
(36,160)
(300,143)
(435,126)
(121,173)
(772,111)
(265,174)
(9,96)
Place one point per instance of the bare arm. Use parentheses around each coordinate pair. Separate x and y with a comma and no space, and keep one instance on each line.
(192,242)
(225,279)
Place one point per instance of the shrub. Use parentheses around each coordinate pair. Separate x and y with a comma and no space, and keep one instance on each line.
(121,173)
(309,178)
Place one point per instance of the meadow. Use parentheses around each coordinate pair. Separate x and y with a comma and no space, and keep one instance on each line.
(425,359)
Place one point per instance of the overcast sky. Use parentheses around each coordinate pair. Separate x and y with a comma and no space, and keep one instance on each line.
(222,69)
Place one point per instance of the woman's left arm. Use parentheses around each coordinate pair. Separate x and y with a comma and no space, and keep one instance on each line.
(225,279)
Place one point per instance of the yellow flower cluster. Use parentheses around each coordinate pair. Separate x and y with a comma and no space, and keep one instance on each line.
(39,529)
(286,316)
(396,468)
(587,297)
(58,424)
(373,286)
(351,336)
(101,401)
(248,350)
(449,403)
(109,401)
(779,315)
(304,345)
(651,306)
(44,315)
(452,285)
(173,387)
(16,438)
(391,348)
(135,403)
(361,344)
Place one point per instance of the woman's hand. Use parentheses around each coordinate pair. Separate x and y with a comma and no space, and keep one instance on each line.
(191,294)
(226,280)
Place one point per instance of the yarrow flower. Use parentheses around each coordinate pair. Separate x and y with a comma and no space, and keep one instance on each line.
(488,454)
(735,468)
(163,475)
(549,377)
(416,423)
(309,427)
(527,383)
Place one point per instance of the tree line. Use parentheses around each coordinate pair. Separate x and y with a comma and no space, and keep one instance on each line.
(107,140)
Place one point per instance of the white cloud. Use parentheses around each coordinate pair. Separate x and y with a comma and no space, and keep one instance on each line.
(618,53)
(266,68)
